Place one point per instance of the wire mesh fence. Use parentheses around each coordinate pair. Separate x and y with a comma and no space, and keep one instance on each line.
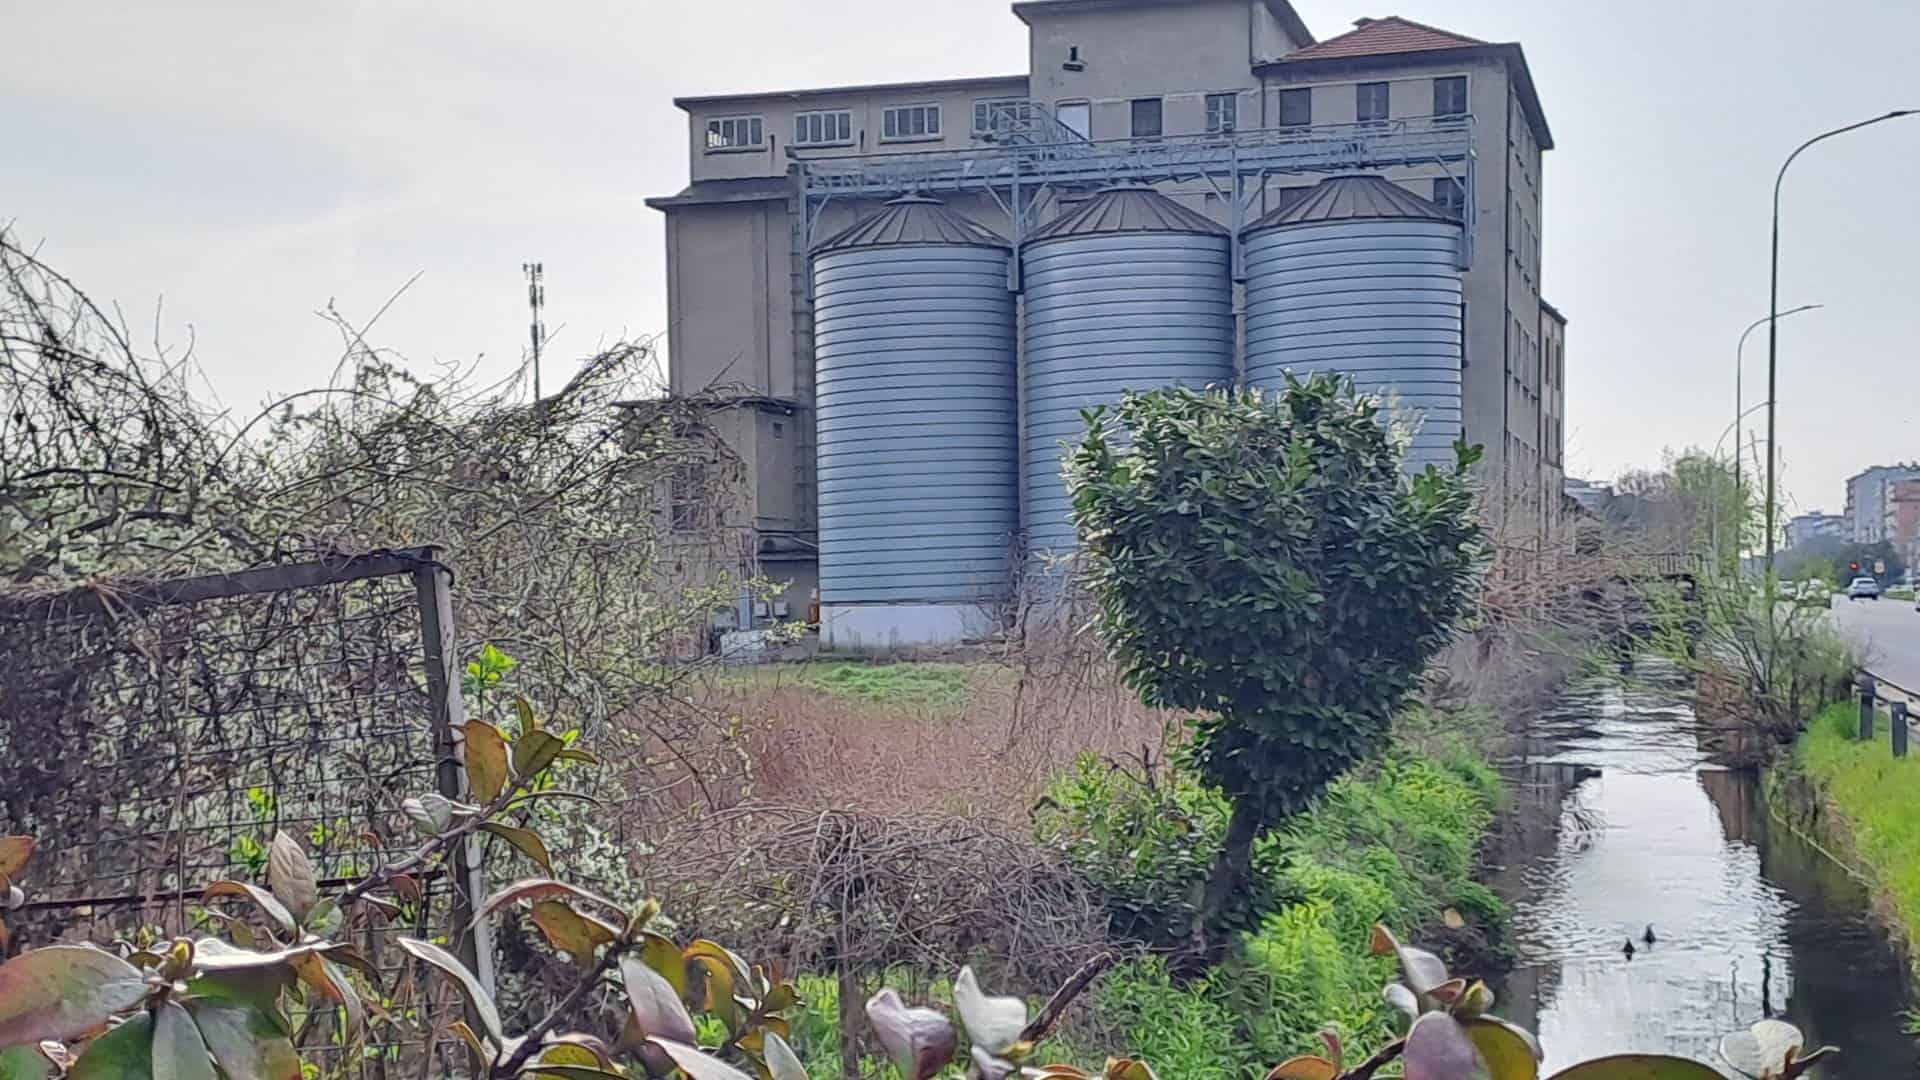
(154,738)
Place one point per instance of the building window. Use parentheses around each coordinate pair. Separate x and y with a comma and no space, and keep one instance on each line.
(1449,195)
(1223,113)
(1146,118)
(735,133)
(687,498)
(1076,117)
(1450,96)
(1296,108)
(1370,102)
(908,122)
(833,127)
(1001,115)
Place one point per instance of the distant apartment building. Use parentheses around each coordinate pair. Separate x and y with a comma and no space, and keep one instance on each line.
(1806,528)
(1231,107)
(1868,501)
(1903,518)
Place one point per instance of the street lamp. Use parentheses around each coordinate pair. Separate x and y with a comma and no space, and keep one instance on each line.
(1739,373)
(1773,311)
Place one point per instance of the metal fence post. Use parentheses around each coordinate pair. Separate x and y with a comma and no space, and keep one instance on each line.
(432,585)
(1899,729)
(1868,695)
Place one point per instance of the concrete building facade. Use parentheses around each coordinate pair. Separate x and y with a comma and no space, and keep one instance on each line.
(1142,86)
(1806,528)
(1868,501)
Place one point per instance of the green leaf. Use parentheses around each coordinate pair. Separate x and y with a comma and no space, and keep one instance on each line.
(64,990)
(179,1053)
(24,1063)
(268,904)
(291,876)
(477,997)
(486,758)
(1511,1053)
(248,1044)
(533,751)
(577,935)
(570,1072)
(431,814)
(1639,1067)
(657,1009)
(526,841)
(125,1053)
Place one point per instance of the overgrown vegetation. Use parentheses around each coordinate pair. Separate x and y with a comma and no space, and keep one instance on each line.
(1874,794)
(1265,563)
(292,982)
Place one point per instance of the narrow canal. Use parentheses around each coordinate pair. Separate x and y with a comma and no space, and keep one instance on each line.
(1622,822)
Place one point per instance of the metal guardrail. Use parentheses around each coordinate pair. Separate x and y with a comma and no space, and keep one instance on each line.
(1900,705)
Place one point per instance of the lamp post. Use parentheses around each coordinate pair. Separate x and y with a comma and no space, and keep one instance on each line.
(1714,521)
(1773,311)
(1739,373)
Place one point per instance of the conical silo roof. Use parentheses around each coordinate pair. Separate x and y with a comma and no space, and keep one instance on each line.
(911,219)
(1355,198)
(1127,209)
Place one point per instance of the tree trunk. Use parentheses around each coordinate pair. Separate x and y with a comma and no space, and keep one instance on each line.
(1231,868)
(852,1017)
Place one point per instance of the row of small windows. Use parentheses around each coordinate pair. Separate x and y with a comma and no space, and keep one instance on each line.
(1146,117)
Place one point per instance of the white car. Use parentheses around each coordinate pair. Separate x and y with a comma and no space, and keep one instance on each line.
(1863,588)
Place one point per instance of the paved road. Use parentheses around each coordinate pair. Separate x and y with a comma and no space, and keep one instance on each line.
(1888,634)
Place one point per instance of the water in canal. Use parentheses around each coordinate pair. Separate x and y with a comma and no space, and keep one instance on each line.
(1623,821)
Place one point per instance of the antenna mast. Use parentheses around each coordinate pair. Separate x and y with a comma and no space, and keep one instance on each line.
(536,302)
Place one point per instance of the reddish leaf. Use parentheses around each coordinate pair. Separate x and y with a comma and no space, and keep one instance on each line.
(538,889)
(477,997)
(486,758)
(1438,1049)
(657,1009)
(331,983)
(291,876)
(697,1064)
(14,853)
(267,903)
(920,1041)
(64,990)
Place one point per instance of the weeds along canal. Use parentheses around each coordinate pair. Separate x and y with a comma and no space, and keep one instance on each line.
(1621,820)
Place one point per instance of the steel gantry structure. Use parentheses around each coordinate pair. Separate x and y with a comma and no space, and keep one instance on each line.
(1027,157)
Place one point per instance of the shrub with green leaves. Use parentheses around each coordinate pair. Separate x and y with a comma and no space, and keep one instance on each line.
(1264,561)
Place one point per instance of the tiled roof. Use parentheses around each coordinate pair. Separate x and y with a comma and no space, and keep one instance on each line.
(1380,37)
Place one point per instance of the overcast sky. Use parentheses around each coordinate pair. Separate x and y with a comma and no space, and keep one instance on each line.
(250,161)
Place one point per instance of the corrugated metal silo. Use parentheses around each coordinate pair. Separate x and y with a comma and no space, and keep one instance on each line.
(917,436)
(1128,291)
(1360,277)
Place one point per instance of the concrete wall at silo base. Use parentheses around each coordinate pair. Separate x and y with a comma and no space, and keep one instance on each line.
(886,628)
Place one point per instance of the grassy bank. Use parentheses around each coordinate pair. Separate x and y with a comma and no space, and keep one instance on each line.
(1874,795)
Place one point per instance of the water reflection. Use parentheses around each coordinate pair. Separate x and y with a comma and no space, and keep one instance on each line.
(1624,822)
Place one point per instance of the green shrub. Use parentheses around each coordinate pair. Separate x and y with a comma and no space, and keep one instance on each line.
(1147,840)
(1180,1026)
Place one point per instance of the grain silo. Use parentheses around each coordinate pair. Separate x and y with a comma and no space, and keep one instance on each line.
(1128,291)
(1361,277)
(917,432)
